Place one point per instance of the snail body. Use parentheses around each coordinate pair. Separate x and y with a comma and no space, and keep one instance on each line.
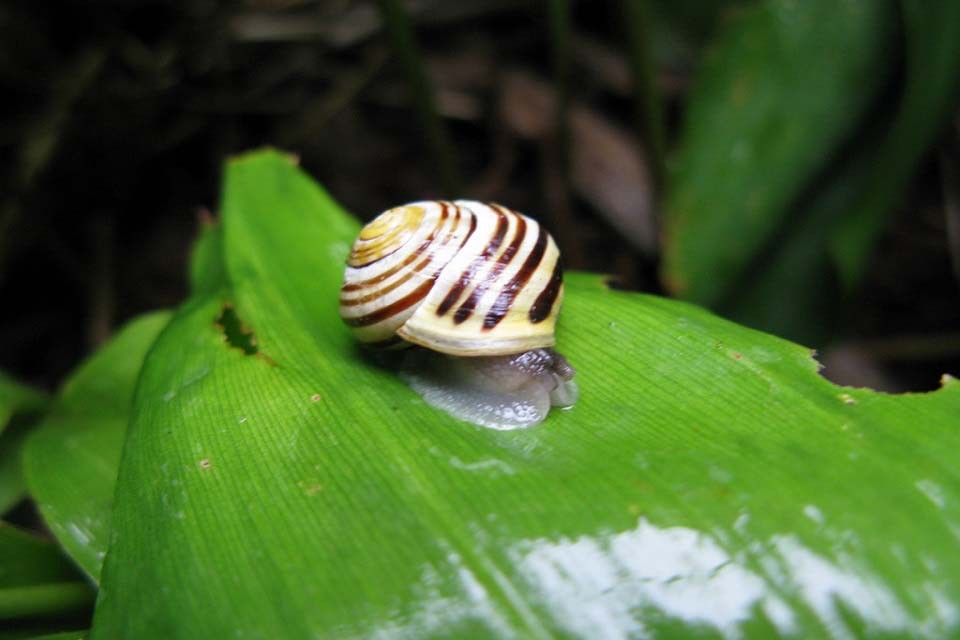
(479,286)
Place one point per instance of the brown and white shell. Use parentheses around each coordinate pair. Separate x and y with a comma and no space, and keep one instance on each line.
(463,278)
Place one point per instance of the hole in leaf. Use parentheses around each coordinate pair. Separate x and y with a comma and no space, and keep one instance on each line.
(890,365)
(234,332)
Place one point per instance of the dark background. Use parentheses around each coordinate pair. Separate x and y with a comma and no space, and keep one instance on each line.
(116,118)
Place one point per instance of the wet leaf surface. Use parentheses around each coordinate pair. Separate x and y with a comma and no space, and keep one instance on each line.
(708,483)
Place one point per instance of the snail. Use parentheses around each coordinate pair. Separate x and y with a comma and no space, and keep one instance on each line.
(476,289)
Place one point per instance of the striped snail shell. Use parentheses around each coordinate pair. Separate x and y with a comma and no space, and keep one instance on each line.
(463,278)
(467,279)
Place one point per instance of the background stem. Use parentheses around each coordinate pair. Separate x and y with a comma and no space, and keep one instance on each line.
(397,23)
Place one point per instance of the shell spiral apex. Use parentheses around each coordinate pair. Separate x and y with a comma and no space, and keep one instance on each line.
(463,278)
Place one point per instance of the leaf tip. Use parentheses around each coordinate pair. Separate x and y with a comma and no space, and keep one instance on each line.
(264,153)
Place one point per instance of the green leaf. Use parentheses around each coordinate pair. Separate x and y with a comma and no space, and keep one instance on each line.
(35,579)
(206,266)
(794,284)
(783,88)
(28,560)
(932,33)
(71,459)
(44,599)
(13,485)
(16,400)
(800,291)
(707,483)
(797,294)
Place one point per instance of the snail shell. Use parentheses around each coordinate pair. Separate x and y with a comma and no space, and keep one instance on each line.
(462,278)
(480,287)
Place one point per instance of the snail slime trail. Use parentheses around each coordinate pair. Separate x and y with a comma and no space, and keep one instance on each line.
(475,289)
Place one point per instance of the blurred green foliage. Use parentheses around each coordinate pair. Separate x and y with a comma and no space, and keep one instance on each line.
(19,407)
(71,457)
(800,139)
